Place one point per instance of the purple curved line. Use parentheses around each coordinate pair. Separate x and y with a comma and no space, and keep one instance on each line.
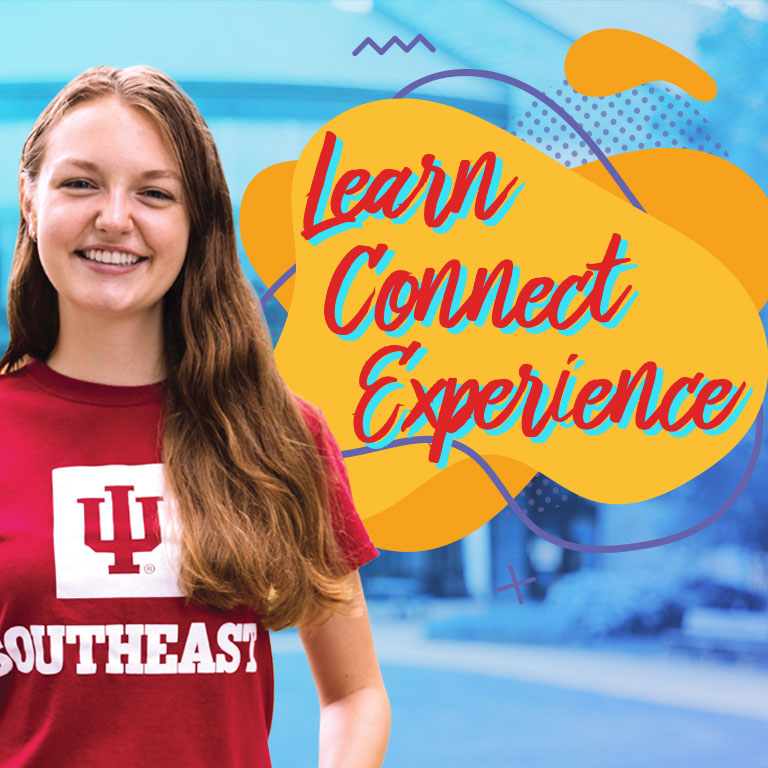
(572,545)
(489,75)
(270,292)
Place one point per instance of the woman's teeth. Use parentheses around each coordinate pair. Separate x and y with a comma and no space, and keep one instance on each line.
(110,257)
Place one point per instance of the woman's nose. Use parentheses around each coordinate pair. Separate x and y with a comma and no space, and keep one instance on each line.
(115,214)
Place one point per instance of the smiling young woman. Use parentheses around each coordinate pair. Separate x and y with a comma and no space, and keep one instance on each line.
(164,499)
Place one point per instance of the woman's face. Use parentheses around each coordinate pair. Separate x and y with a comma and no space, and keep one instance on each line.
(108,211)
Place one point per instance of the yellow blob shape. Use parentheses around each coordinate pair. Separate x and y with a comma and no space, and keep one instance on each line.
(560,222)
(609,61)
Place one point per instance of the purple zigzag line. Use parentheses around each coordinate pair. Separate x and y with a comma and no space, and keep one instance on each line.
(392,40)
(575,546)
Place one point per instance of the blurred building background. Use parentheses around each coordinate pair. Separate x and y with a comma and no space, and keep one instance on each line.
(266,76)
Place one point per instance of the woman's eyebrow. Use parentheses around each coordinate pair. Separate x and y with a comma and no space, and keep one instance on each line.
(160,174)
(87,165)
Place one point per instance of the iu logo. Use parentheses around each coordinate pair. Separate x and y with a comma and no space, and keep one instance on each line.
(123,543)
(113,532)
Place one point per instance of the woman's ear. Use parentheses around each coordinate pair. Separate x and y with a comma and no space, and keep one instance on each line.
(26,204)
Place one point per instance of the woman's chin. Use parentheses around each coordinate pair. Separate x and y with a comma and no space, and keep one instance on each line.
(107,308)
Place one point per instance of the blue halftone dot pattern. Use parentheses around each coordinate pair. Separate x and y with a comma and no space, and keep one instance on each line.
(645,117)
(544,494)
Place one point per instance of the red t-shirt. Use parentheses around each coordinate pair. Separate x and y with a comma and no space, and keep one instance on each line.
(101,663)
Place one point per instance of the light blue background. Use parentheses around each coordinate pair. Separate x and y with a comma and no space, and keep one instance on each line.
(581,674)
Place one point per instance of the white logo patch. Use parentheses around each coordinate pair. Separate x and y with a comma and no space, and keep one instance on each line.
(113,532)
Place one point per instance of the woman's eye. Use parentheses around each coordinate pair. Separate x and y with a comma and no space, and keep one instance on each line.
(78,184)
(157,194)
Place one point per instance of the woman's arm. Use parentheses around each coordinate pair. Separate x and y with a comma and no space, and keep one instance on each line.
(354,708)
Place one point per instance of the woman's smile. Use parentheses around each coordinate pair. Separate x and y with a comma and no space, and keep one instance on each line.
(110,256)
(108,260)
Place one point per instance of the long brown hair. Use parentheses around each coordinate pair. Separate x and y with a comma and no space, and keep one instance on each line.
(239,459)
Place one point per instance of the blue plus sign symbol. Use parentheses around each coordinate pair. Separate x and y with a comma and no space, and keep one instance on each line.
(516,584)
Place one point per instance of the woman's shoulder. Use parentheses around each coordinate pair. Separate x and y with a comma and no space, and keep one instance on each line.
(313,416)
(317,425)
(19,397)
(12,380)
(308,409)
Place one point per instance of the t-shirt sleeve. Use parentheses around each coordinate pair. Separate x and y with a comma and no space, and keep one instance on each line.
(350,531)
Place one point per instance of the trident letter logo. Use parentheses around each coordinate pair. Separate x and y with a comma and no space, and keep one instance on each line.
(124,545)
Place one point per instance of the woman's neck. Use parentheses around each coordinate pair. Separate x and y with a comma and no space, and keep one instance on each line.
(121,351)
